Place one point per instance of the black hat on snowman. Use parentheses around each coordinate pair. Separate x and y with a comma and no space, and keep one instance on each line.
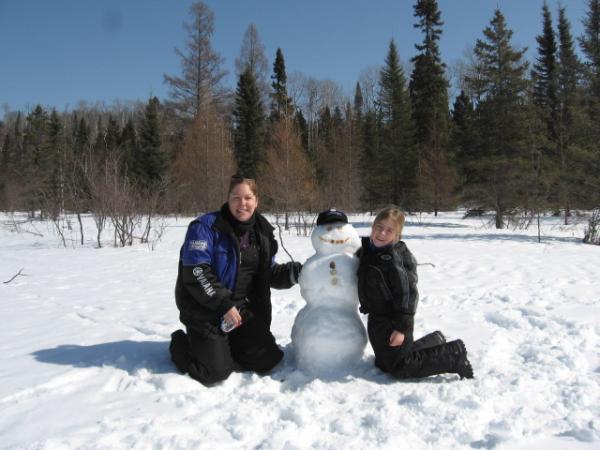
(331,216)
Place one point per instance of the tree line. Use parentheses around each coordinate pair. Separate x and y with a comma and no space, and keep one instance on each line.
(519,140)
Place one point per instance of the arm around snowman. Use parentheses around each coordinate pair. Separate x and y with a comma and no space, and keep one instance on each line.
(284,276)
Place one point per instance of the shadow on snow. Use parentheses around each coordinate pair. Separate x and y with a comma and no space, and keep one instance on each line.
(153,356)
(125,355)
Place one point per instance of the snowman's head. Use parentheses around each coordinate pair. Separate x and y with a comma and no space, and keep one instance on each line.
(333,234)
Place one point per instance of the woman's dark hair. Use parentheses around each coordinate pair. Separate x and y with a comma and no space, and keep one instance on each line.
(238,179)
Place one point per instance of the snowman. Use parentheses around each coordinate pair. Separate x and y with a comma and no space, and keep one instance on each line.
(328,335)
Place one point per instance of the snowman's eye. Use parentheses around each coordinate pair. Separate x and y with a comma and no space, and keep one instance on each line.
(328,228)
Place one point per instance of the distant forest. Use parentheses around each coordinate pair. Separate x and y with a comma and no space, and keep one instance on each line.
(521,139)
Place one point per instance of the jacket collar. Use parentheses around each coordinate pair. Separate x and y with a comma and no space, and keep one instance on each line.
(262,224)
(221,224)
(368,246)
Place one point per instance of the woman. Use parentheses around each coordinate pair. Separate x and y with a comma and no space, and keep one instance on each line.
(387,291)
(226,269)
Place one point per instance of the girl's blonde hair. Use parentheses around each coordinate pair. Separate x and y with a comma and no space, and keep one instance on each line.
(396,215)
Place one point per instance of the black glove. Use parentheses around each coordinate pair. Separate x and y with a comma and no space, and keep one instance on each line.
(245,312)
(295,270)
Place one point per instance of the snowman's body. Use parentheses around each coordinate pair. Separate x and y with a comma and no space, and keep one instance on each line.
(328,334)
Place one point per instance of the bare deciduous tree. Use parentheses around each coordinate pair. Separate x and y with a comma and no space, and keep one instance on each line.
(99,178)
(288,179)
(369,79)
(252,56)
(201,74)
(202,166)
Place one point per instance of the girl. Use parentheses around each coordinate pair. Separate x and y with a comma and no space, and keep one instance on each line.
(387,290)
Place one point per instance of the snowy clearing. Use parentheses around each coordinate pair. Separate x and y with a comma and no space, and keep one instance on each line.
(84,357)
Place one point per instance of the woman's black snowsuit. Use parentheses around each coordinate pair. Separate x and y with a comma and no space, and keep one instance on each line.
(387,290)
(210,273)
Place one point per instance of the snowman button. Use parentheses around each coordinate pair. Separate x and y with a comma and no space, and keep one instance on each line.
(332,270)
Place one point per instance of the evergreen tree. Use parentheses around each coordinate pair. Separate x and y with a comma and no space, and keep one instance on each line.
(358,102)
(590,41)
(373,193)
(82,137)
(152,160)
(35,161)
(10,150)
(130,159)
(544,133)
(201,74)
(281,104)
(6,154)
(428,85)
(545,76)
(325,143)
(4,164)
(35,140)
(356,124)
(336,160)
(2,135)
(429,95)
(112,136)
(108,139)
(12,166)
(570,120)
(397,151)
(99,146)
(79,189)
(55,182)
(590,44)
(302,129)
(18,153)
(568,92)
(248,131)
(463,138)
(500,87)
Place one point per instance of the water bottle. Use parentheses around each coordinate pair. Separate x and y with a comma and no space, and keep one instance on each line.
(245,314)
(226,326)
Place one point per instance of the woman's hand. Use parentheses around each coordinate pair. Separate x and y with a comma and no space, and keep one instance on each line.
(233,316)
(396,339)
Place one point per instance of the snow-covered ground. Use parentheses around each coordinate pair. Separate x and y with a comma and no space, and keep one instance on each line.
(84,357)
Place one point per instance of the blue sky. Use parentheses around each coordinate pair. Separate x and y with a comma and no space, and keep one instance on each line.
(59,52)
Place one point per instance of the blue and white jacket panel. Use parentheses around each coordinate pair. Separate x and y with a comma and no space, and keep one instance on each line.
(208,268)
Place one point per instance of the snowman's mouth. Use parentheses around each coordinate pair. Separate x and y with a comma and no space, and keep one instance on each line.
(334,241)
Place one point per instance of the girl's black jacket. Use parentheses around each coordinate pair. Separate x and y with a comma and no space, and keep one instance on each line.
(387,283)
